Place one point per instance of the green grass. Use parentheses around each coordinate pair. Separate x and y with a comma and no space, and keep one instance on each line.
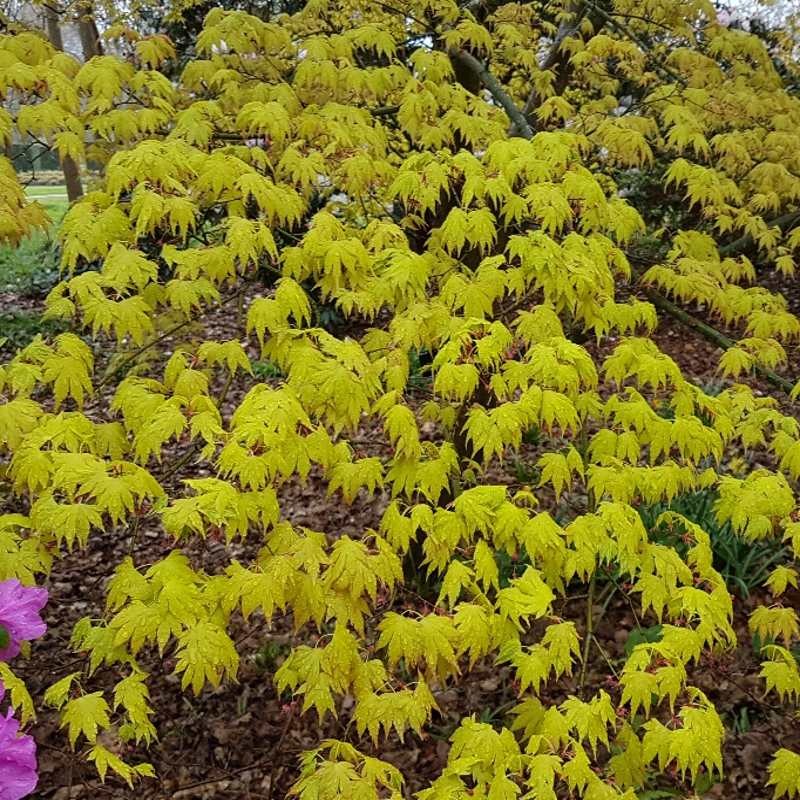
(266,370)
(32,266)
(53,198)
(39,191)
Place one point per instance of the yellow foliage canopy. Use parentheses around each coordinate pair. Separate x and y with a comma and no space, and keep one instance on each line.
(464,184)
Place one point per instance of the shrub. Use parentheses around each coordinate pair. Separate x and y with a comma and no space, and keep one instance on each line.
(349,173)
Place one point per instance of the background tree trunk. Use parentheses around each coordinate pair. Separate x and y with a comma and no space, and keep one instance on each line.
(70,169)
(87,29)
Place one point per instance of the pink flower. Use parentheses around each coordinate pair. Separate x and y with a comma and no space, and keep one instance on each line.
(20,621)
(18,777)
(19,616)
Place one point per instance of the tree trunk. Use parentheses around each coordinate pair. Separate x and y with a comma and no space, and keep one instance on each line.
(87,29)
(70,169)
(72,179)
(53,27)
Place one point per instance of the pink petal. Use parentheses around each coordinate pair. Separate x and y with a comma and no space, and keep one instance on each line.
(18,776)
(19,614)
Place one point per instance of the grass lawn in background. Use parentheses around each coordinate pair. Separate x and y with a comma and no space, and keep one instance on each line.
(29,270)
(53,198)
(32,266)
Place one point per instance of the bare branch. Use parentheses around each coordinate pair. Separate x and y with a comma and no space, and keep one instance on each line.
(501,97)
(713,335)
(785,222)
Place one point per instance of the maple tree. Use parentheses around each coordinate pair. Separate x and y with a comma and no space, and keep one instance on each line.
(459,182)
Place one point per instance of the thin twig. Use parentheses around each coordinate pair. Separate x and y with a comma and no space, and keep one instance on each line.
(605,656)
(587,636)
(277,751)
(785,222)
(624,30)
(160,338)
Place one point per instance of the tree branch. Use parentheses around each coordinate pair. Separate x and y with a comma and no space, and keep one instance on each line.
(555,58)
(625,31)
(785,222)
(489,6)
(384,111)
(522,127)
(501,97)
(131,357)
(712,334)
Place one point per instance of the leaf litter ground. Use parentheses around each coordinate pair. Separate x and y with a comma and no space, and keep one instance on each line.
(242,741)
